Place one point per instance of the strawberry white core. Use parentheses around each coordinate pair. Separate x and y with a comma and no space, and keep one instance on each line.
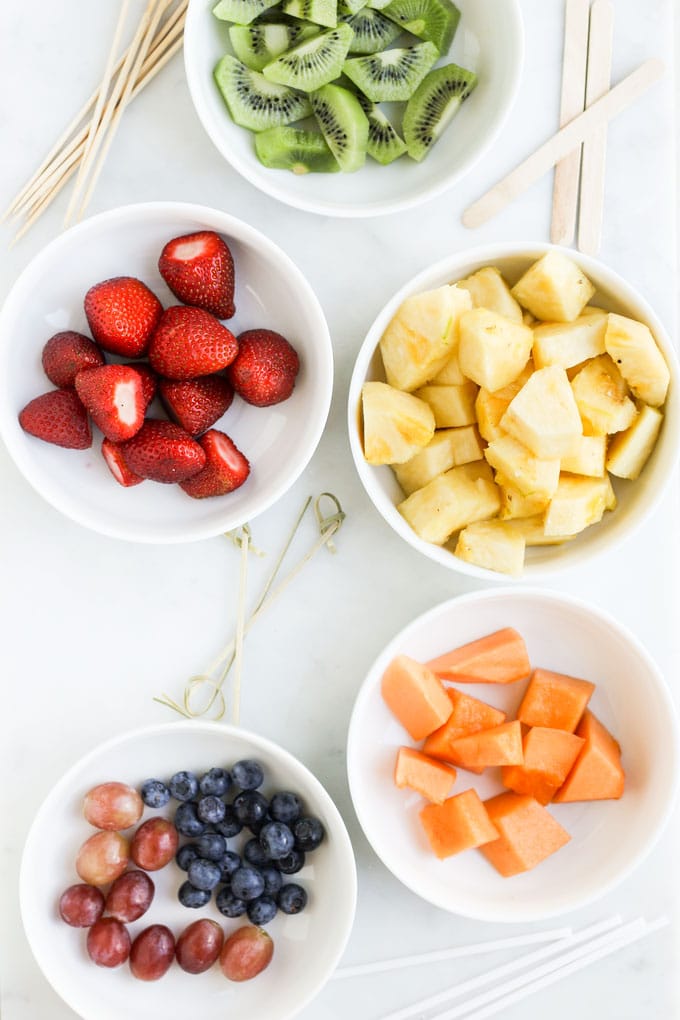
(125,400)
(185,251)
(228,454)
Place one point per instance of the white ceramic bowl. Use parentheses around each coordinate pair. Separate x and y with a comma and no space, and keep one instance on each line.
(609,838)
(270,292)
(636,500)
(307,946)
(489,41)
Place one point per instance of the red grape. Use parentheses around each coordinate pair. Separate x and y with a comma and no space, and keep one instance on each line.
(199,945)
(154,844)
(81,905)
(113,806)
(102,858)
(246,953)
(108,942)
(152,953)
(130,896)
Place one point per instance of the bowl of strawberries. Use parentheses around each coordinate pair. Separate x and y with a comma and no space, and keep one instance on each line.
(167,373)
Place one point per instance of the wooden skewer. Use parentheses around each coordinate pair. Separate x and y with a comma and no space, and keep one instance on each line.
(159,65)
(595,147)
(535,166)
(74,147)
(36,211)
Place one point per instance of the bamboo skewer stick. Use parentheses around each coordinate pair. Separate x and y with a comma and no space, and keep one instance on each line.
(595,147)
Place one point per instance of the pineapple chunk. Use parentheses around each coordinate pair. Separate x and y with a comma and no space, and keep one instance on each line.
(493,545)
(544,415)
(554,289)
(569,343)
(490,407)
(610,500)
(532,531)
(529,474)
(396,424)
(587,458)
(577,503)
(528,319)
(632,346)
(602,398)
(629,450)
(451,374)
(448,448)
(452,406)
(492,350)
(489,290)
(450,502)
(515,504)
(422,336)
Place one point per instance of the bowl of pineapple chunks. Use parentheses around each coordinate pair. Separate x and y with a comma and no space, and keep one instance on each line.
(514,411)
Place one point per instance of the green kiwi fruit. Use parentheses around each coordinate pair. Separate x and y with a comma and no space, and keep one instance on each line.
(346,8)
(432,106)
(241,12)
(258,44)
(321,12)
(303,152)
(433,20)
(343,124)
(372,32)
(254,102)
(393,74)
(384,144)
(312,63)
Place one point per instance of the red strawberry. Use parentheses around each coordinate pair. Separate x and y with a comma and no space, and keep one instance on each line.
(163,452)
(122,313)
(199,270)
(265,368)
(225,467)
(58,417)
(114,396)
(66,354)
(190,342)
(149,379)
(113,455)
(196,404)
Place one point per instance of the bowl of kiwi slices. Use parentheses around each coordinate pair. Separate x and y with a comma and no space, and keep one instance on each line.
(398,99)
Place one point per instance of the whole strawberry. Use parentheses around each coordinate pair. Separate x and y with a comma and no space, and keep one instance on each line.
(114,396)
(122,313)
(265,368)
(189,342)
(196,404)
(65,354)
(199,270)
(58,417)
(225,469)
(113,455)
(163,452)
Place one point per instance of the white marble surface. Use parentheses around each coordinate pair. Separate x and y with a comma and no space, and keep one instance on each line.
(92,628)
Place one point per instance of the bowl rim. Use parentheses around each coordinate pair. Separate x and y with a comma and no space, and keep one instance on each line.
(357,210)
(656,681)
(572,557)
(197,726)
(230,226)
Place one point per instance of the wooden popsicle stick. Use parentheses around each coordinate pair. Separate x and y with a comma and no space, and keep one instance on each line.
(565,184)
(535,166)
(595,147)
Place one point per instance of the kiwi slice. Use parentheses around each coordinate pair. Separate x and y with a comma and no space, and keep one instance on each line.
(254,102)
(321,12)
(393,74)
(303,152)
(378,5)
(257,45)
(312,63)
(241,12)
(384,144)
(346,8)
(432,106)
(343,124)
(433,20)
(372,31)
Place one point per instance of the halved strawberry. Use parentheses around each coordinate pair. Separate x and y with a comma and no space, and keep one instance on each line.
(196,404)
(65,354)
(225,469)
(122,313)
(149,379)
(58,417)
(163,452)
(199,270)
(265,368)
(114,396)
(113,455)
(189,342)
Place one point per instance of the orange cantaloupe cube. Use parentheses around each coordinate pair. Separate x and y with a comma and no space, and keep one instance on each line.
(500,745)
(469,715)
(460,823)
(548,756)
(425,775)
(554,700)
(597,773)
(527,833)
(498,658)
(415,696)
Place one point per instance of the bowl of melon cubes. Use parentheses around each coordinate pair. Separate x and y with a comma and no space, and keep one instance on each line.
(513,754)
(514,411)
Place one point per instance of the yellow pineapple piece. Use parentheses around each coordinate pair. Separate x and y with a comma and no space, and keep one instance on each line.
(531,475)
(450,502)
(452,406)
(515,504)
(475,470)
(610,500)
(602,398)
(493,545)
(492,350)
(569,343)
(629,451)
(490,407)
(544,415)
(448,448)
(451,374)
(632,347)
(554,289)
(587,458)
(528,319)
(532,531)
(489,290)
(422,336)
(396,424)
(577,503)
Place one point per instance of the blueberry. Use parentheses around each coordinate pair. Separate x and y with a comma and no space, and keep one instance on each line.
(230,825)
(309,832)
(215,783)
(292,898)
(229,864)
(211,846)
(185,855)
(262,910)
(247,883)
(190,896)
(285,807)
(256,827)
(230,905)
(292,863)
(276,840)
(210,809)
(183,786)
(250,808)
(204,874)
(272,880)
(155,794)
(187,821)
(255,853)
(247,775)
